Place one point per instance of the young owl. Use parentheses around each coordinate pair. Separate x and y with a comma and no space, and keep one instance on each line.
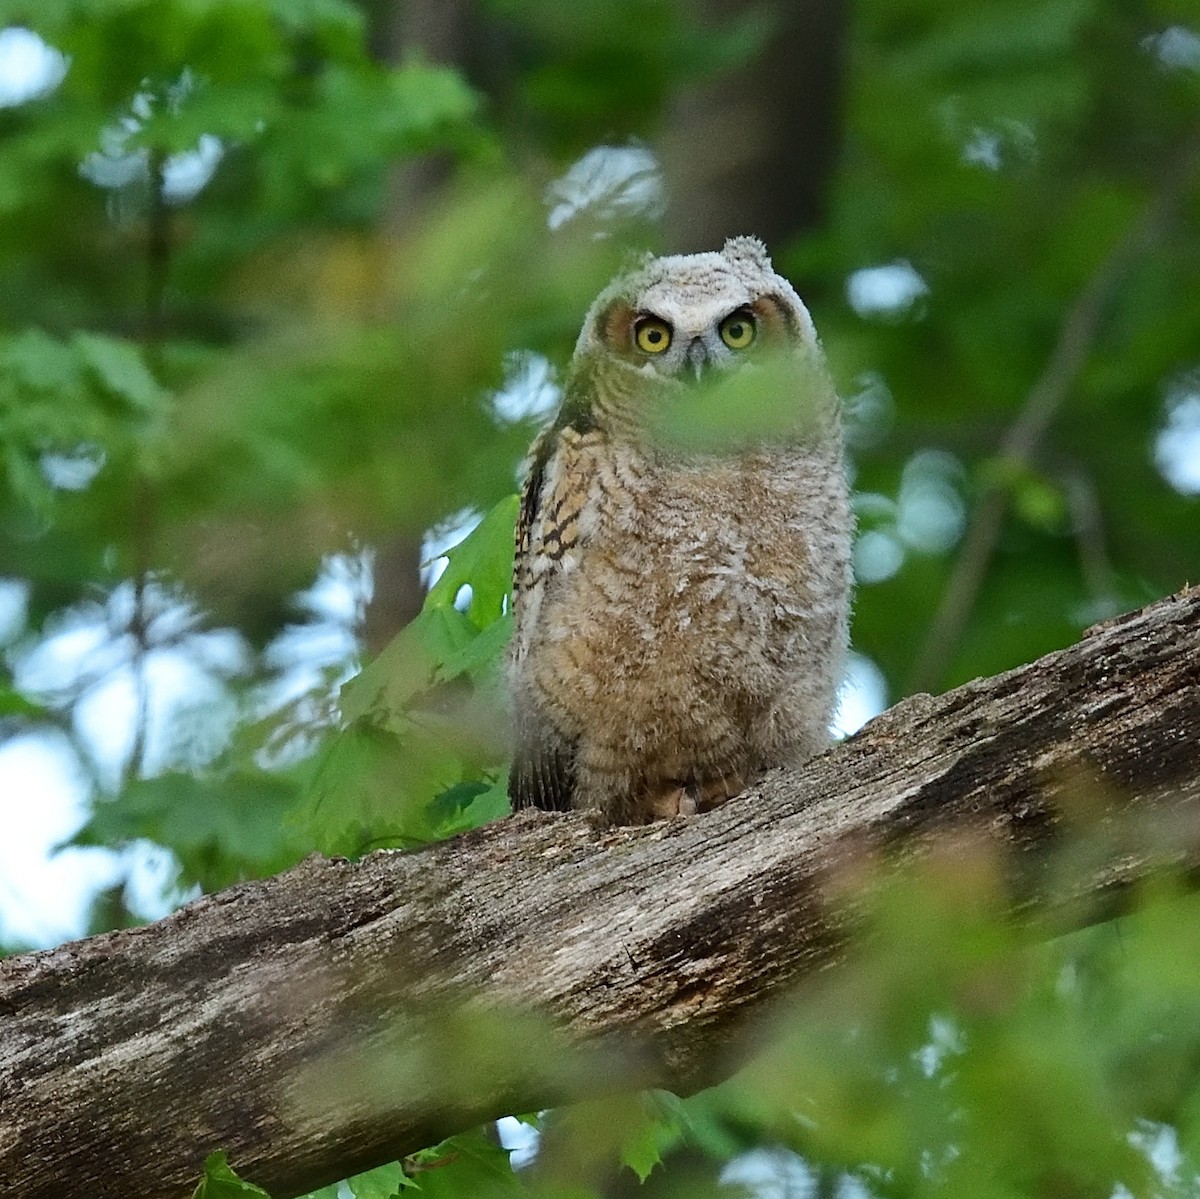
(681,601)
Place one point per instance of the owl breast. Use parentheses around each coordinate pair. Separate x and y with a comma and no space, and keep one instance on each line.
(688,643)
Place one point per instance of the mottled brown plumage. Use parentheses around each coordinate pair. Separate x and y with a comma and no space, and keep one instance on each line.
(681,607)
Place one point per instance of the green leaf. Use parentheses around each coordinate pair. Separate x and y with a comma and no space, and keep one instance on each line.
(773,400)
(373,788)
(220,1182)
(384,1182)
(483,561)
(339,22)
(468,805)
(443,642)
(480,657)
(221,828)
(422,719)
(641,1152)
(13,703)
(409,665)
(1040,502)
(426,100)
(233,112)
(26,481)
(40,362)
(661,1124)
(468,1164)
(119,365)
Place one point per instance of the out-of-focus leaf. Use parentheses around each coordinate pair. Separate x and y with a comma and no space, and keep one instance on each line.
(221,828)
(330,343)
(13,703)
(121,368)
(405,770)
(40,362)
(776,401)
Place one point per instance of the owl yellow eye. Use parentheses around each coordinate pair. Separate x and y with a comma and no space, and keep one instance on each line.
(738,330)
(652,335)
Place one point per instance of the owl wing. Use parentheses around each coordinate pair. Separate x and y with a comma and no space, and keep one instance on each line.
(547,540)
(542,773)
(552,501)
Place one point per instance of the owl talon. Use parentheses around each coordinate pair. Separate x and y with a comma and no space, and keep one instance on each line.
(677,801)
(719,791)
(668,803)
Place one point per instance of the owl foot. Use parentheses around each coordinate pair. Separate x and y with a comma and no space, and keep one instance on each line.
(672,800)
(688,799)
(714,792)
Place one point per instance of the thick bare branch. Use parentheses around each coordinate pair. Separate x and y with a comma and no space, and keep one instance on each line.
(343,1013)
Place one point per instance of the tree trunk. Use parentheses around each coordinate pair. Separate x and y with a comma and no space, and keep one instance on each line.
(344,1013)
(753,150)
(438,31)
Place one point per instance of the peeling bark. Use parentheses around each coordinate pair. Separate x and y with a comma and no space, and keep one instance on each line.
(332,1018)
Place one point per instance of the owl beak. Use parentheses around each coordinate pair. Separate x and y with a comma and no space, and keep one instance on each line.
(697,358)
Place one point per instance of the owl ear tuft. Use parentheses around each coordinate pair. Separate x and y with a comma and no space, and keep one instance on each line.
(749,250)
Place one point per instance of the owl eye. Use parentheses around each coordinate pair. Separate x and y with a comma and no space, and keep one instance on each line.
(652,335)
(738,330)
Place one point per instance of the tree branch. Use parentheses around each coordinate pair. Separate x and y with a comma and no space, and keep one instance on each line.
(343,1013)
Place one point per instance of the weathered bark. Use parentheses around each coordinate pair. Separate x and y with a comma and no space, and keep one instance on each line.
(343,1013)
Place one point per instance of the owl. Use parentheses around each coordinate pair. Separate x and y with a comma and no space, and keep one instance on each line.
(681,603)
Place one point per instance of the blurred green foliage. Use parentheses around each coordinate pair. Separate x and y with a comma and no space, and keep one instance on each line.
(423,719)
(241,348)
(1004,151)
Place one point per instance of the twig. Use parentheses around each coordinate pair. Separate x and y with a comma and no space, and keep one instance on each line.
(1087,524)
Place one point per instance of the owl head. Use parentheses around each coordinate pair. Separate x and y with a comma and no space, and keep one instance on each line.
(687,316)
